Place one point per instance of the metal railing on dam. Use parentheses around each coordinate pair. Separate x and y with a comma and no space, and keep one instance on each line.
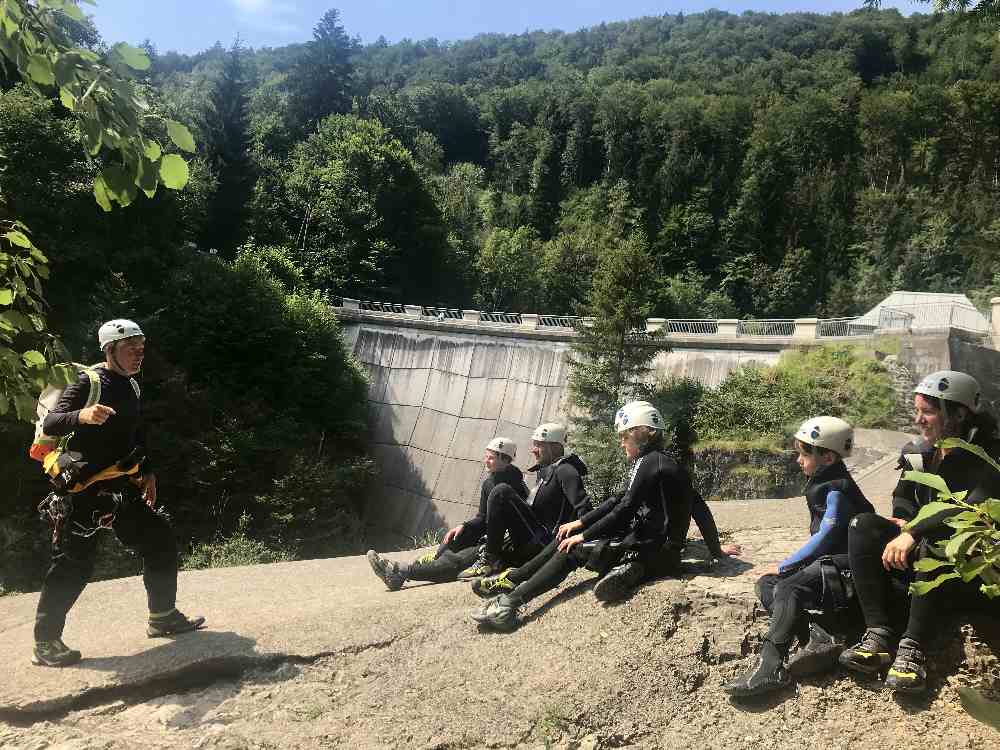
(793,330)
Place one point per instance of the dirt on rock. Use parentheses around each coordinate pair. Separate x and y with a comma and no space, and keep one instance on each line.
(643,674)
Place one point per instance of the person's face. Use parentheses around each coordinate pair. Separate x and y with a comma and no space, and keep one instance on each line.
(492,460)
(928,418)
(537,450)
(630,444)
(808,462)
(129,354)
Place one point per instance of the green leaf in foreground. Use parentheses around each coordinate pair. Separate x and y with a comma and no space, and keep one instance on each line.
(34,358)
(922,587)
(979,708)
(926,478)
(134,57)
(181,136)
(173,171)
(6,296)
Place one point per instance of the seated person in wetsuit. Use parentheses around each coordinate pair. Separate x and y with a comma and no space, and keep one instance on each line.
(833,499)
(882,550)
(644,529)
(558,498)
(460,546)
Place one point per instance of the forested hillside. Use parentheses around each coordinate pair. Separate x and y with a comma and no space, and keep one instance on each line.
(770,165)
(779,165)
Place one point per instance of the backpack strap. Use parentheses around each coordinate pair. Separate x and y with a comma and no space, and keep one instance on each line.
(95,385)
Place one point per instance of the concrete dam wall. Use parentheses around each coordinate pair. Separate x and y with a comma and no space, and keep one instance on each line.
(443,383)
(436,397)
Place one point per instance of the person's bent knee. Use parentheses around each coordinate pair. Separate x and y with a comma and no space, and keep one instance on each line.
(870,530)
(500,494)
(765,588)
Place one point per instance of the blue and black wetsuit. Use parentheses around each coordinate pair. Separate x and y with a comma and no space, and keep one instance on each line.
(834,499)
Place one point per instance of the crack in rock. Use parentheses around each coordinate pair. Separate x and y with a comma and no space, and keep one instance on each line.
(190,677)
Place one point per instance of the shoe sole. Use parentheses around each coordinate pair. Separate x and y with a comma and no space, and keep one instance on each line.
(612,590)
(55,665)
(754,692)
(381,572)
(198,624)
(906,689)
(865,669)
(376,564)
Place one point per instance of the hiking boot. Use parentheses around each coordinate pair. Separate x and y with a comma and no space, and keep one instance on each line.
(491,586)
(387,570)
(765,676)
(500,614)
(54,654)
(172,624)
(873,654)
(619,582)
(485,565)
(819,655)
(908,673)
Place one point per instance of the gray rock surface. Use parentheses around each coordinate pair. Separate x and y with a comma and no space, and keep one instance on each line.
(317,654)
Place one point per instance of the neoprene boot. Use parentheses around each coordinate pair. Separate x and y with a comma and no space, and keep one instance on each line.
(908,673)
(872,654)
(387,570)
(620,581)
(767,674)
(819,655)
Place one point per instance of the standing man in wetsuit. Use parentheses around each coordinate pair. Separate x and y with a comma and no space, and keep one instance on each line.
(107,434)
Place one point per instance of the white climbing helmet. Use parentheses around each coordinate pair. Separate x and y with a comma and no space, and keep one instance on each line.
(638,414)
(503,445)
(117,330)
(951,386)
(550,432)
(831,433)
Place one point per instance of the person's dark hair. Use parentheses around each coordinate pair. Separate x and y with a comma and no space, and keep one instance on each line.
(810,449)
(649,439)
(959,420)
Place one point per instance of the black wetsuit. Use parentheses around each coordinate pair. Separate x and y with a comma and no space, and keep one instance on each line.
(559,497)
(883,595)
(135,524)
(833,499)
(649,519)
(460,552)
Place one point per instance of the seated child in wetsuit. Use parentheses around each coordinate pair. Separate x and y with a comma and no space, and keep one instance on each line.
(833,499)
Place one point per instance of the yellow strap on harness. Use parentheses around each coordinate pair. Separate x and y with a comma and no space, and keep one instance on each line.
(112,472)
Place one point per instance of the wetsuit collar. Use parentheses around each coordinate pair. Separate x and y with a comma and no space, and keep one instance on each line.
(836,470)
